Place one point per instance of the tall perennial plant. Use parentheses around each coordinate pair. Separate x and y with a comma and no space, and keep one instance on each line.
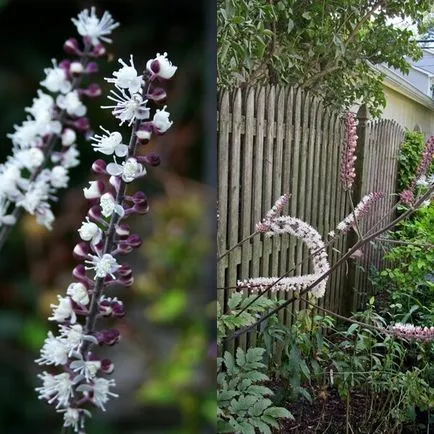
(75,380)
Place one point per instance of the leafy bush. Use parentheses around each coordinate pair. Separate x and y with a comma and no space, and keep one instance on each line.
(242,400)
(409,158)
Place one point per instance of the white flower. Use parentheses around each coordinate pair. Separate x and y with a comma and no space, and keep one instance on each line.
(69,158)
(104,265)
(87,369)
(109,143)
(71,103)
(42,108)
(35,197)
(63,311)
(89,231)
(76,68)
(6,219)
(161,120)
(128,108)
(56,387)
(93,191)
(44,216)
(127,77)
(69,137)
(109,206)
(88,24)
(422,181)
(73,337)
(11,180)
(100,389)
(130,169)
(71,417)
(29,158)
(59,177)
(26,135)
(56,79)
(54,351)
(161,67)
(78,292)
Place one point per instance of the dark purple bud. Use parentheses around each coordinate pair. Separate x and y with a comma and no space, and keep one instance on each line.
(99,50)
(99,166)
(157,94)
(123,231)
(105,308)
(124,248)
(107,366)
(155,66)
(79,273)
(134,241)
(118,310)
(91,68)
(124,270)
(97,248)
(141,208)
(152,159)
(92,91)
(94,213)
(108,337)
(65,65)
(81,250)
(126,281)
(140,197)
(71,47)
(81,124)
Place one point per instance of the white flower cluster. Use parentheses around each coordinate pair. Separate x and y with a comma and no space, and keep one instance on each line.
(24,182)
(412,332)
(130,96)
(360,211)
(316,247)
(83,381)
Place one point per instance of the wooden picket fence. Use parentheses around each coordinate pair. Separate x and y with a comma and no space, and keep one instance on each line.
(276,140)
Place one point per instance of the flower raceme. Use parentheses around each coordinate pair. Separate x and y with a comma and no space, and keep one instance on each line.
(44,145)
(104,236)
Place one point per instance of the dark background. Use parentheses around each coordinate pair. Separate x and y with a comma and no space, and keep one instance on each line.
(165,362)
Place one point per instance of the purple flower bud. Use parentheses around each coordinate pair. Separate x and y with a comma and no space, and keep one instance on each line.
(108,337)
(152,159)
(134,241)
(140,208)
(99,166)
(79,273)
(92,91)
(98,51)
(123,231)
(118,310)
(71,47)
(91,68)
(124,270)
(144,132)
(124,248)
(107,366)
(157,94)
(81,250)
(126,281)
(81,124)
(65,65)
(94,213)
(139,197)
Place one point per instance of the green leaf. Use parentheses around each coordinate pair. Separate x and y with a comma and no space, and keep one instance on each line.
(277,412)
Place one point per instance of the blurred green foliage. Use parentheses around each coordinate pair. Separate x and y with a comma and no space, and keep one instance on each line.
(36,265)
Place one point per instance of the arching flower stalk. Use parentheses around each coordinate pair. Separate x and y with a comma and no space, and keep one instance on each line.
(314,243)
(82,383)
(44,145)
(360,211)
(272,214)
(412,332)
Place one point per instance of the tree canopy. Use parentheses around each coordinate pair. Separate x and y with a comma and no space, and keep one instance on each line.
(326,46)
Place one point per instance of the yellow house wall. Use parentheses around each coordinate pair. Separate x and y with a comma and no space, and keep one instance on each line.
(408,112)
